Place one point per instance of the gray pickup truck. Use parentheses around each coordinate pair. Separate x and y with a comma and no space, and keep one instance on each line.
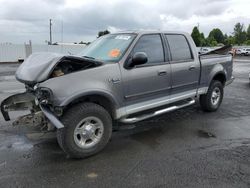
(124,77)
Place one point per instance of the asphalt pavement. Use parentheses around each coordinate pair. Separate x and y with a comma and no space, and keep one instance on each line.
(185,148)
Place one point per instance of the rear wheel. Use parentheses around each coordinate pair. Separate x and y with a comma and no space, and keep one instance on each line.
(87,130)
(211,101)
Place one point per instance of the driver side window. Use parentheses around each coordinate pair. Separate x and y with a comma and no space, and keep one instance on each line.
(152,46)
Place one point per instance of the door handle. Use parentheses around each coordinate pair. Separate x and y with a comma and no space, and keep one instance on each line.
(192,68)
(114,80)
(162,73)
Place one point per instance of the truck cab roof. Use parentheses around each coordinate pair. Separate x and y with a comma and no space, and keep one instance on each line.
(141,32)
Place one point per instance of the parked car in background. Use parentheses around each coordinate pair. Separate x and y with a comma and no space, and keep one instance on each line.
(124,77)
(204,50)
(245,51)
(238,51)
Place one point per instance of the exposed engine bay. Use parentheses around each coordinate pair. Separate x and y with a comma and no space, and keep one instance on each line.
(71,64)
(40,67)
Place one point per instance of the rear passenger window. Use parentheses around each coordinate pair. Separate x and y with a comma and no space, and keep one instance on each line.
(152,46)
(179,47)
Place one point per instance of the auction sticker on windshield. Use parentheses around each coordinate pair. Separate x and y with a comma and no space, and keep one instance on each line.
(123,37)
(114,53)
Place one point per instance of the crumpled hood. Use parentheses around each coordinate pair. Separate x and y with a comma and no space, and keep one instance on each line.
(37,67)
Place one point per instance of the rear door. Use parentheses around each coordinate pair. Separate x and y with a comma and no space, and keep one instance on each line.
(185,70)
(145,83)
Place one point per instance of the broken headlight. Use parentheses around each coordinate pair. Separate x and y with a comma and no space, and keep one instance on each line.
(43,95)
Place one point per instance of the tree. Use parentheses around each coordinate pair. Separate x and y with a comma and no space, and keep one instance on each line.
(211,41)
(239,34)
(101,33)
(217,35)
(230,40)
(247,42)
(203,39)
(225,37)
(86,43)
(248,32)
(214,43)
(244,36)
(196,36)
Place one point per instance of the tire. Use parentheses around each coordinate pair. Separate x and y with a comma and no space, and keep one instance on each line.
(88,128)
(210,102)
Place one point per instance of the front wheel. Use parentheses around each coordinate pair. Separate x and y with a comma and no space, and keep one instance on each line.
(87,130)
(211,101)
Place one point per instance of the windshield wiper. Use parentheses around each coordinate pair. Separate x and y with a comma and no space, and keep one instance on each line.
(88,57)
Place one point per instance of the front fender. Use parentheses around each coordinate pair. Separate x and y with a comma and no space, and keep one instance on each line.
(84,93)
(118,111)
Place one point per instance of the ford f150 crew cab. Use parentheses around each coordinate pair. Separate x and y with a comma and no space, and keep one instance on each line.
(124,77)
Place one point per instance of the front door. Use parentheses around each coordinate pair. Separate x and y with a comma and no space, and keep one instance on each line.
(146,84)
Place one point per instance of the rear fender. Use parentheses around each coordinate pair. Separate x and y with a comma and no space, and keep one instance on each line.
(217,69)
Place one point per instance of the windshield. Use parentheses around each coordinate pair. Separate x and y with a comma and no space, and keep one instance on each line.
(108,48)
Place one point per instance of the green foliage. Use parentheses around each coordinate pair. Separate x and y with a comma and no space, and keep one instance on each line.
(247,42)
(211,42)
(196,36)
(203,40)
(214,43)
(239,34)
(248,32)
(230,40)
(225,37)
(217,35)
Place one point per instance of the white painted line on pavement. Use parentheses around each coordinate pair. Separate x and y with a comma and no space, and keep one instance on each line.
(241,60)
(4,78)
(13,91)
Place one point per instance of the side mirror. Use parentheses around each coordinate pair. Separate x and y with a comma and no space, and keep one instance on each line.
(138,58)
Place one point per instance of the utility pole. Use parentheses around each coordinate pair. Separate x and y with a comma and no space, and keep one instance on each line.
(62,38)
(50,33)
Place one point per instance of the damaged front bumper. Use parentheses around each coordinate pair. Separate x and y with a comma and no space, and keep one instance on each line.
(18,102)
(40,112)
(51,117)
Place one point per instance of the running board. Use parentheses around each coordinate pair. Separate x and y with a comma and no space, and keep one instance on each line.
(156,113)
